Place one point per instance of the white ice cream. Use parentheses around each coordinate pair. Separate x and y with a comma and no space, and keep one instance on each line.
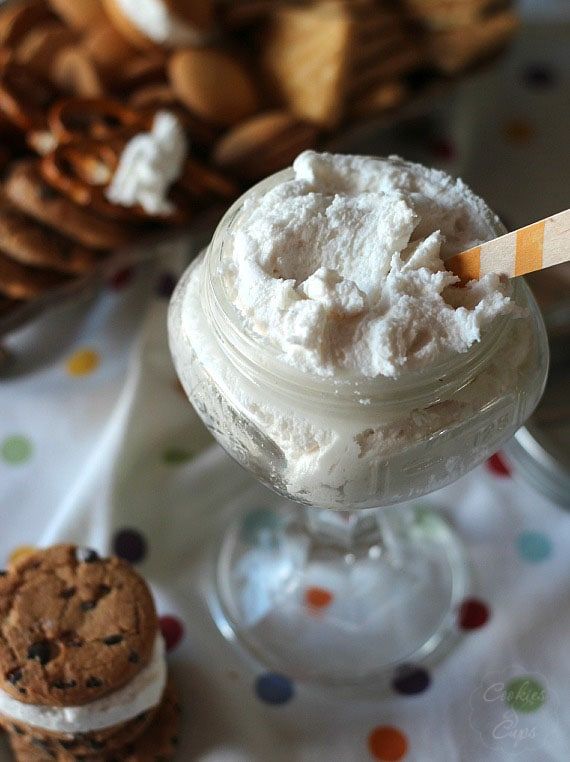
(343,266)
(140,694)
(366,377)
(155,21)
(148,166)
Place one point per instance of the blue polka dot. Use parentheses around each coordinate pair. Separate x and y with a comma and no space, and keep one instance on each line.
(534,546)
(274,689)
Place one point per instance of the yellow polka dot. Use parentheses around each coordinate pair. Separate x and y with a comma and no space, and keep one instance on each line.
(82,362)
(20,553)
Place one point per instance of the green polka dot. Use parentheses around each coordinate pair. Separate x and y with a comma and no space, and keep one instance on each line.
(525,694)
(175,455)
(16,449)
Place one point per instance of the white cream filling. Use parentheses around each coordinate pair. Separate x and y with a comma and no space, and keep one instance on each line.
(148,166)
(140,694)
(155,21)
(342,267)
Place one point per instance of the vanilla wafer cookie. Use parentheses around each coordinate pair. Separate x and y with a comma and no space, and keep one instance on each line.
(263,145)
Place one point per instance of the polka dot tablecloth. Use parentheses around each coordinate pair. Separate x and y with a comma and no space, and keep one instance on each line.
(98,445)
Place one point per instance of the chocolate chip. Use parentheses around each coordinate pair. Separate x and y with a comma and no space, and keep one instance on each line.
(3,572)
(69,592)
(14,675)
(94,682)
(23,691)
(86,555)
(40,651)
(67,744)
(71,639)
(141,717)
(93,743)
(61,685)
(18,730)
(104,590)
(112,640)
(87,605)
(134,658)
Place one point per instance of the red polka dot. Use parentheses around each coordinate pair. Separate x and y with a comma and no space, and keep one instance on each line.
(472,614)
(497,465)
(121,278)
(318,597)
(172,631)
(387,744)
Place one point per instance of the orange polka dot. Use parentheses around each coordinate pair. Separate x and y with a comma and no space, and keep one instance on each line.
(20,552)
(387,743)
(318,597)
(83,362)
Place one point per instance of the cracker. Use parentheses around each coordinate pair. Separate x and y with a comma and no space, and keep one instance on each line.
(451,51)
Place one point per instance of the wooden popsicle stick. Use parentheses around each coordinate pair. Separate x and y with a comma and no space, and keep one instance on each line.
(534,247)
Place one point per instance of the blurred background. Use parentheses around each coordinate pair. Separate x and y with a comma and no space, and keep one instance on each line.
(98,443)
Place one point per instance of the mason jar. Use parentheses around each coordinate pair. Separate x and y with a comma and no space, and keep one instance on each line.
(348,442)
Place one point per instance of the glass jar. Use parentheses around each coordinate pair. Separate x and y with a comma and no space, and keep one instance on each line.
(347,442)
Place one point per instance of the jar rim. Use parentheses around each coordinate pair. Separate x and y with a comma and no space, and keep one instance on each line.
(261,358)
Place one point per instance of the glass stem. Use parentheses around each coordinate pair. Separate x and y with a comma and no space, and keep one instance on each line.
(376,532)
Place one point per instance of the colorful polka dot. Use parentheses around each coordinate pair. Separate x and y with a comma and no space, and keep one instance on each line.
(20,553)
(318,598)
(16,449)
(83,362)
(539,76)
(274,689)
(497,465)
(472,614)
(121,278)
(518,131)
(410,679)
(173,456)
(172,631)
(165,285)
(534,546)
(387,744)
(130,545)
(524,694)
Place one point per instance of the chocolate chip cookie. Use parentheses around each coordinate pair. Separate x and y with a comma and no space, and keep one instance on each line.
(73,626)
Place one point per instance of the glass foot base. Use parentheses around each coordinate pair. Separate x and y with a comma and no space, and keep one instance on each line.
(341,599)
